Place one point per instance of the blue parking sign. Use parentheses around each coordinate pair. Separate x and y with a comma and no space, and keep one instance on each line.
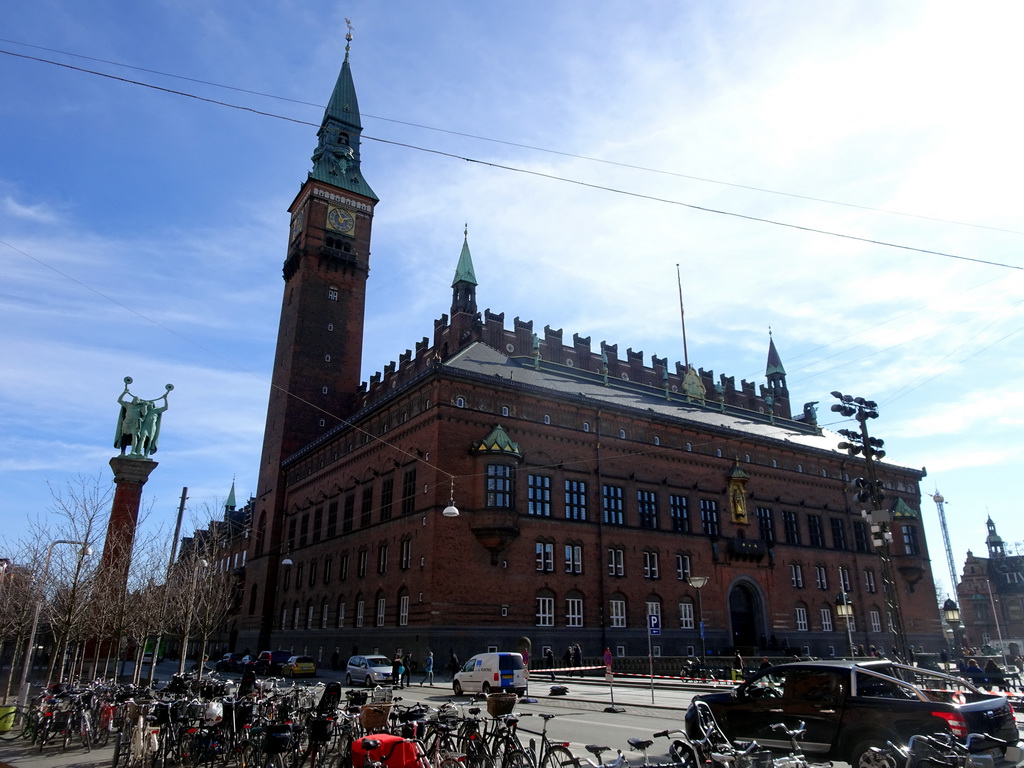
(654,624)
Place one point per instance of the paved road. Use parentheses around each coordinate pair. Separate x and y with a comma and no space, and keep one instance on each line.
(643,712)
(584,709)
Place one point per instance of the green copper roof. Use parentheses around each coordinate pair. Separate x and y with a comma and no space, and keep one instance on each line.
(498,441)
(737,473)
(464,270)
(774,361)
(903,510)
(230,503)
(336,158)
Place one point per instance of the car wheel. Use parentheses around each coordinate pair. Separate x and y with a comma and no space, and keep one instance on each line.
(487,689)
(348,680)
(368,681)
(457,687)
(872,753)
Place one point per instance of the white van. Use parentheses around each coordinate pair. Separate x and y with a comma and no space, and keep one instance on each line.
(497,672)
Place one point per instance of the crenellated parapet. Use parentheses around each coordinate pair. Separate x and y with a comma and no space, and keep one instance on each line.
(700,387)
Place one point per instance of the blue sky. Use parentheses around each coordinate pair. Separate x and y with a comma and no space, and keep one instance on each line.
(143,232)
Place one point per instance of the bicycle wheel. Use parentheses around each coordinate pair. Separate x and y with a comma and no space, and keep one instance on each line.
(558,757)
(85,731)
(479,759)
(119,745)
(13,724)
(101,735)
(517,759)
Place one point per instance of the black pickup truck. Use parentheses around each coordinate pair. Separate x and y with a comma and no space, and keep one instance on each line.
(850,706)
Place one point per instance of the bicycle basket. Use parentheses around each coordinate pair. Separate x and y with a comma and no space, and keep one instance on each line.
(381,694)
(499,704)
(320,729)
(277,739)
(374,717)
(161,713)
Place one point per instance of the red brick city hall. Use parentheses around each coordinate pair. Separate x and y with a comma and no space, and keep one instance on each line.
(593,487)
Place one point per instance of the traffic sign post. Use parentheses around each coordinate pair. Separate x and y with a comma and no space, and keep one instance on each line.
(653,628)
(609,678)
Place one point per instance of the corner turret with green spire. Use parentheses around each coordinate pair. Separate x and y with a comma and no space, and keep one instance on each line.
(464,284)
(336,158)
(774,371)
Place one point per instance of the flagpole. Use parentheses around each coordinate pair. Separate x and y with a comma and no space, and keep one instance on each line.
(682,317)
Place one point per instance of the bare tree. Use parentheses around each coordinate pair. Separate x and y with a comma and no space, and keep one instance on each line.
(202,589)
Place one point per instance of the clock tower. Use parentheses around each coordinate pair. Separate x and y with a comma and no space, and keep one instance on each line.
(317,366)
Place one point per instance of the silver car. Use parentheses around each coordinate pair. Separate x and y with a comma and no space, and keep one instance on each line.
(368,670)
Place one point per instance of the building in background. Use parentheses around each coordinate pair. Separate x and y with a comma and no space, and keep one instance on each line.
(590,485)
(991,600)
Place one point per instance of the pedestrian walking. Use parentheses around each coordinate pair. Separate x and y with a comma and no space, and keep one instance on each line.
(396,671)
(428,669)
(453,664)
(737,666)
(407,669)
(549,655)
(335,660)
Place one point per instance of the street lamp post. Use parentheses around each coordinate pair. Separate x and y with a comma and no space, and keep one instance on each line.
(869,491)
(30,650)
(844,609)
(951,613)
(698,583)
(188,614)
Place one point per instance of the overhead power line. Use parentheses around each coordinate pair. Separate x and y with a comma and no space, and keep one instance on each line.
(539,174)
(531,147)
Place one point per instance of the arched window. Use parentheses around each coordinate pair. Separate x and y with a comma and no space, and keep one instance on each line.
(403,608)
(324,614)
(296,615)
(309,614)
(252,600)
(341,613)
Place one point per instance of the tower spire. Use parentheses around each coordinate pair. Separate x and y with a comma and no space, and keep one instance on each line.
(464,284)
(336,157)
(774,371)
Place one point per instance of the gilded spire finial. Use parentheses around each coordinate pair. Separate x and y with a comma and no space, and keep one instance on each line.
(348,37)
(465,231)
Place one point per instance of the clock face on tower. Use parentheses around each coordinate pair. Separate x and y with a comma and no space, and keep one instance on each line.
(341,220)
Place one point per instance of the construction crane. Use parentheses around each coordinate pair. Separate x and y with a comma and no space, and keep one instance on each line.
(940,504)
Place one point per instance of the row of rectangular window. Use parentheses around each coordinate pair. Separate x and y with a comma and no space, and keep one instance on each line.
(573,616)
(300,533)
(292,618)
(613,509)
(404,563)
(796,577)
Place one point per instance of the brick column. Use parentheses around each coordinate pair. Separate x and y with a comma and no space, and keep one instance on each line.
(129,477)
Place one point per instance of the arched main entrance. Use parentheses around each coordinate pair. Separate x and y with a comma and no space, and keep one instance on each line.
(745,612)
